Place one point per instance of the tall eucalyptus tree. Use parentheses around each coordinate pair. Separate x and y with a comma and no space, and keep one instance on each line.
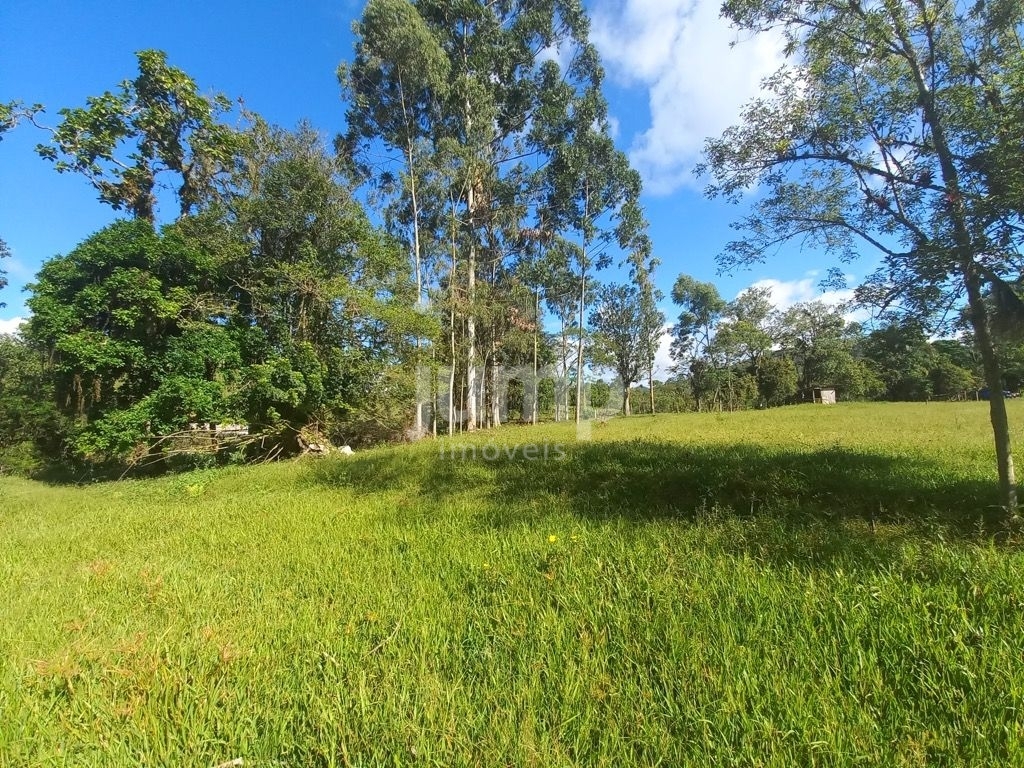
(591,193)
(523,140)
(394,87)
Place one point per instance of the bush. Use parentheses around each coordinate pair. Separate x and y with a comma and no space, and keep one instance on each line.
(21,459)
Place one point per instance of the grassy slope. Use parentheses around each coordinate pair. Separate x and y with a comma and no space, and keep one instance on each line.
(687,589)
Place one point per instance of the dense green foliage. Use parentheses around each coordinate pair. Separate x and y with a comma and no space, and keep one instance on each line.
(746,353)
(279,307)
(271,302)
(113,315)
(30,424)
(760,588)
(322,304)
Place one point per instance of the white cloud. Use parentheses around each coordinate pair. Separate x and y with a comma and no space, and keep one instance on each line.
(11,325)
(663,361)
(17,269)
(696,83)
(613,126)
(785,293)
(561,56)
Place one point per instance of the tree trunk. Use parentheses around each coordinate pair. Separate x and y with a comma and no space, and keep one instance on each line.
(536,341)
(972,281)
(411,161)
(627,409)
(996,402)
(579,349)
(471,379)
(452,279)
(562,393)
(434,394)
(495,398)
(418,425)
(495,394)
(471,383)
(650,384)
(462,401)
(451,389)
(583,296)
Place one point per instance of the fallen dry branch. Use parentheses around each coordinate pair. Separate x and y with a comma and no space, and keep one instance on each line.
(193,441)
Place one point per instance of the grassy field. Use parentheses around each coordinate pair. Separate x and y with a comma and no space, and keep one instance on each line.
(801,586)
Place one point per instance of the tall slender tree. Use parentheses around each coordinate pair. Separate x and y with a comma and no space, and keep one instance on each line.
(694,331)
(591,192)
(394,88)
(619,326)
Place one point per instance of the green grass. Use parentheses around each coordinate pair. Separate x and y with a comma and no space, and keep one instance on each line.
(801,586)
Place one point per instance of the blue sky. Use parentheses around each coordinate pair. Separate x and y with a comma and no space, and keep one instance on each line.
(672,80)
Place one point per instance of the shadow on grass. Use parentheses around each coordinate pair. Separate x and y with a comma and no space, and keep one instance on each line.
(646,480)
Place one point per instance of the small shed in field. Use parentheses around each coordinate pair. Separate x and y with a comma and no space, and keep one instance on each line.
(824,395)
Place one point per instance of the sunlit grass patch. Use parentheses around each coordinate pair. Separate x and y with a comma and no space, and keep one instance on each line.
(797,586)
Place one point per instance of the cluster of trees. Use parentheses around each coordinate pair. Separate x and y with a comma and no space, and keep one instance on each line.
(502,178)
(748,354)
(276,304)
(479,133)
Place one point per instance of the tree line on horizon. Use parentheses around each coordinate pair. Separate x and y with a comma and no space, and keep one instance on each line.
(478,135)
(746,353)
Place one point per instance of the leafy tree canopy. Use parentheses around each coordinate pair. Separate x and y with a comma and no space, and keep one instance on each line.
(154,126)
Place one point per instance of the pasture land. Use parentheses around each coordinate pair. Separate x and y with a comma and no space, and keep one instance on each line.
(800,586)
